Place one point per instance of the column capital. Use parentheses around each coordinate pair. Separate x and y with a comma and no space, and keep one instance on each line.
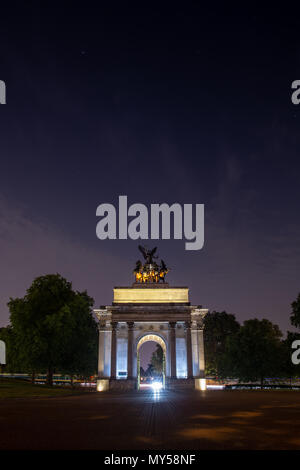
(200,325)
(172,324)
(101,325)
(130,325)
(187,325)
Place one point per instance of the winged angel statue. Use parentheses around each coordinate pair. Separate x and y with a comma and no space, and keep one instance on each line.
(148,254)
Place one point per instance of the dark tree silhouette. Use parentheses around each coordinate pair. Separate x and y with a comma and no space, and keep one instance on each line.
(218,326)
(254,352)
(54,328)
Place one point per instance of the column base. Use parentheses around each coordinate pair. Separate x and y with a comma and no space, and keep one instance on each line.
(122,384)
(200,383)
(179,384)
(102,385)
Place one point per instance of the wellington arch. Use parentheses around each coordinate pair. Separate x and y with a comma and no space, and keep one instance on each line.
(150,310)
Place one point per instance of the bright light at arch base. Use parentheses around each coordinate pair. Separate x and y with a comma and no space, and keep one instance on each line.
(202,384)
(156,386)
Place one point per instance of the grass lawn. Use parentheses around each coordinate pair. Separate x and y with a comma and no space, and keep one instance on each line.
(16,388)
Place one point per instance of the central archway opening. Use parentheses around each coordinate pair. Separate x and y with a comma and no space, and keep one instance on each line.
(151,362)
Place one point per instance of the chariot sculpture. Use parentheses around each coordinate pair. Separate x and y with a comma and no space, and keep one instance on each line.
(150,271)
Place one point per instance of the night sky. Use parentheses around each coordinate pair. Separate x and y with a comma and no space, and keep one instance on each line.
(162,106)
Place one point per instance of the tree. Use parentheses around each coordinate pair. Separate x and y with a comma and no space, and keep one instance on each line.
(81,354)
(218,326)
(295,316)
(254,352)
(54,327)
(149,371)
(157,360)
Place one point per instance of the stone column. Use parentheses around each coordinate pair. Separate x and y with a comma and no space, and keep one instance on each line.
(172,326)
(101,349)
(130,325)
(113,372)
(195,354)
(201,351)
(189,358)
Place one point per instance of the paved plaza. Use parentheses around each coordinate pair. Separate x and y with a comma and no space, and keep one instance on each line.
(146,420)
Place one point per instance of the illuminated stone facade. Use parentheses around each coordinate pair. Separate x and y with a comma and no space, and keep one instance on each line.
(150,312)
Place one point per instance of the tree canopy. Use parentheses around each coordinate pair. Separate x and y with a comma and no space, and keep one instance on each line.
(157,360)
(295,315)
(218,326)
(254,352)
(53,328)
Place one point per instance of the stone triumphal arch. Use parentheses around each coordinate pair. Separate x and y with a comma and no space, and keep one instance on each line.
(150,309)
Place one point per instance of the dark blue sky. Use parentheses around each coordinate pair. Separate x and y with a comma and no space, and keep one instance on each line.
(163,106)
